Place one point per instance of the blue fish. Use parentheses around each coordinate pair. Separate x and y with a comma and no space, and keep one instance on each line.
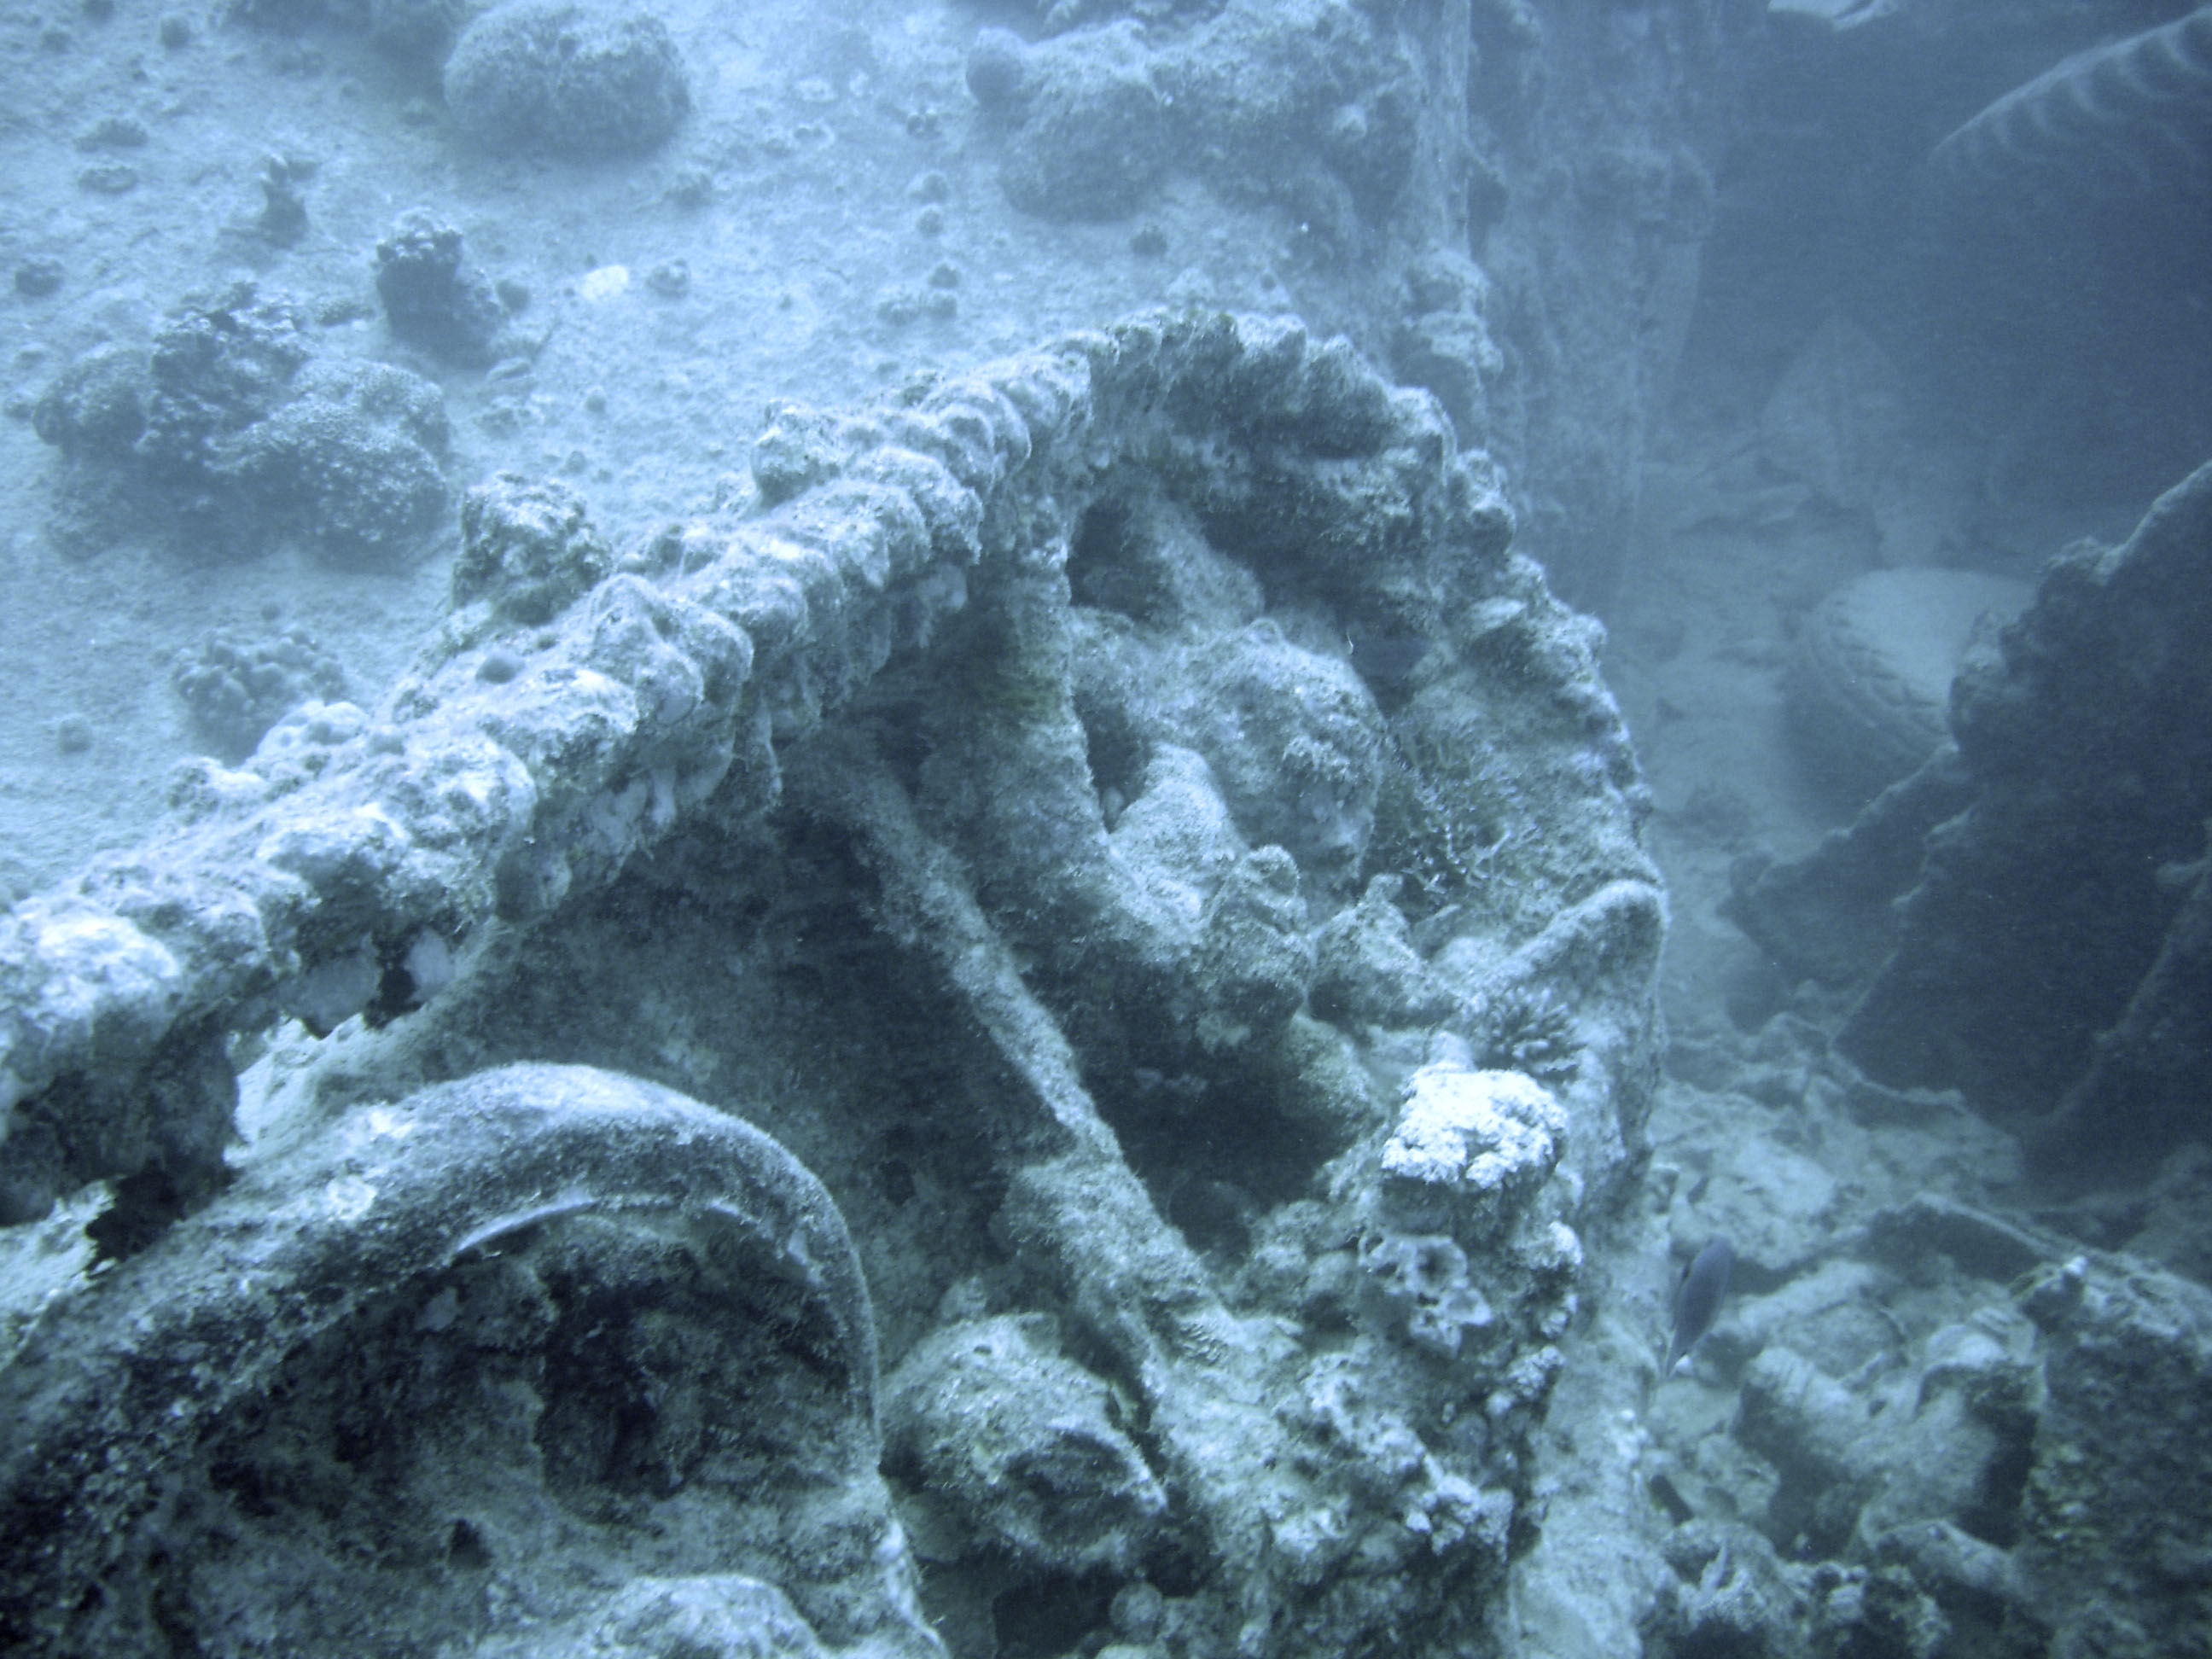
(1704,1287)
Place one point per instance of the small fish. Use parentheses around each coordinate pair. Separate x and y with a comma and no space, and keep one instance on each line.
(1705,1286)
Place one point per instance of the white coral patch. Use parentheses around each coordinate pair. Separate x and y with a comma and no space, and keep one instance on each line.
(349,1197)
(1479,1130)
(95,965)
(603,283)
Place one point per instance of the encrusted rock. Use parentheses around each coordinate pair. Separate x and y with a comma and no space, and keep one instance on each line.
(1027,1450)
(2052,949)
(899,806)
(232,429)
(1469,1142)
(237,685)
(528,551)
(588,82)
(433,297)
(542,1314)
